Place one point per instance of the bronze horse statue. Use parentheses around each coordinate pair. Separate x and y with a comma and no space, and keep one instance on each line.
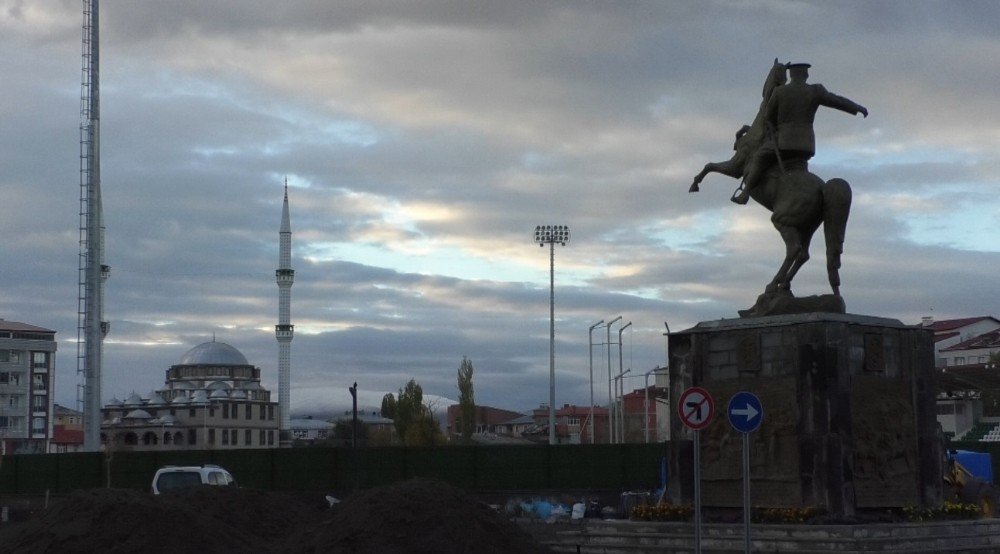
(799,202)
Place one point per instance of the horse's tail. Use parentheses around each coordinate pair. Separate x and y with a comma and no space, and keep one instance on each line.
(836,208)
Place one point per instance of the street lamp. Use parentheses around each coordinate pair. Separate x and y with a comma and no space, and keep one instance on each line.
(619,410)
(621,407)
(645,406)
(611,432)
(552,234)
(590,337)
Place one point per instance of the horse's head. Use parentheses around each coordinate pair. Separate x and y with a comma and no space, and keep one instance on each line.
(776,77)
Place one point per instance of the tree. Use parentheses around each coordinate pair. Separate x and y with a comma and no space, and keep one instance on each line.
(388,410)
(415,422)
(409,407)
(466,400)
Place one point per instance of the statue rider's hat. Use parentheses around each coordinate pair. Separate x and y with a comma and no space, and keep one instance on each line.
(798,66)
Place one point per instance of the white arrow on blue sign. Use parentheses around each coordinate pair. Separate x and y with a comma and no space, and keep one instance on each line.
(745,412)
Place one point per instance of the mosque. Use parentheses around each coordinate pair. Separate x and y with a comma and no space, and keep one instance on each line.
(212,397)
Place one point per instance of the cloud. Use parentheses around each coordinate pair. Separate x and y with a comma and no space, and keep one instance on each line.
(422,144)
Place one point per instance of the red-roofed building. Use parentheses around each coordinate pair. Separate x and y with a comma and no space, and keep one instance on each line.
(489,421)
(950,332)
(67,430)
(572,424)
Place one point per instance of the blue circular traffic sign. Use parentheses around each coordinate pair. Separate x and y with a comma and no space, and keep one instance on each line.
(745,412)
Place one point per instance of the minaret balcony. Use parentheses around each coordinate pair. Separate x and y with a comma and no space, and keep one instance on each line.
(284,332)
(284,275)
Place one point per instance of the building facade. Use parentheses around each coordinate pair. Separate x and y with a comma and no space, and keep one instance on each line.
(212,399)
(67,430)
(27,375)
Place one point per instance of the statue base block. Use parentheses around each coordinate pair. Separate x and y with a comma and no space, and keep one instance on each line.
(849,418)
(784,303)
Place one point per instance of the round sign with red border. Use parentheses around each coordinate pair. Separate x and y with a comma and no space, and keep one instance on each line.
(696,408)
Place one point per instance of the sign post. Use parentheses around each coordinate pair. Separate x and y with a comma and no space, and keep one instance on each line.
(696,408)
(745,414)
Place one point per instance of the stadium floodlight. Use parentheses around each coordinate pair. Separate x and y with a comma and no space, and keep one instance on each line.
(552,235)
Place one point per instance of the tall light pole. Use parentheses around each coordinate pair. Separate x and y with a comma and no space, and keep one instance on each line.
(611,432)
(645,405)
(552,234)
(621,403)
(590,337)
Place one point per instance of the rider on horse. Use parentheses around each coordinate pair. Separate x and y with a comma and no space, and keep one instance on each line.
(790,112)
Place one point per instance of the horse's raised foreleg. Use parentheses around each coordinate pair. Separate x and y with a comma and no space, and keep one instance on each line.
(729,168)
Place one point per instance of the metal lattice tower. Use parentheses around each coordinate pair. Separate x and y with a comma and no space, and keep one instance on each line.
(284,330)
(91,327)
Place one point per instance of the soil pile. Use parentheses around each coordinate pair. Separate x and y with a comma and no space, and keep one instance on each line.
(416,516)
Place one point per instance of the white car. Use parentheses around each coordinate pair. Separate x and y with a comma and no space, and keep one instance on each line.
(181,477)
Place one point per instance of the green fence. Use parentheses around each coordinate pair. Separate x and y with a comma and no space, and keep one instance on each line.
(477,468)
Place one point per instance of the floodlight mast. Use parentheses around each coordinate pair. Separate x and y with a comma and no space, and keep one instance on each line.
(552,234)
(91,327)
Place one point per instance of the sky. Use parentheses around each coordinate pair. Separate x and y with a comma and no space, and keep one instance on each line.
(422,142)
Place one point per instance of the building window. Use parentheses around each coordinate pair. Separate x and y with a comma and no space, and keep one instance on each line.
(211,436)
(248,437)
(261,437)
(270,438)
(191,412)
(225,436)
(211,412)
(192,436)
(4,377)
(40,360)
(263,415)
(37,425)
(249,411)
(225,411)
(960,360)
(270,412)
(12,356)
(39,402)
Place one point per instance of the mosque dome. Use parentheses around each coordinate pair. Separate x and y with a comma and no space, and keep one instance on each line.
(213,353)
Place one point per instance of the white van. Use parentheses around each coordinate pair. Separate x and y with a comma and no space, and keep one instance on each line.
(182,477)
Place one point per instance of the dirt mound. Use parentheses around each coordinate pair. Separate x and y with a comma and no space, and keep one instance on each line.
(417,516)
(205,519)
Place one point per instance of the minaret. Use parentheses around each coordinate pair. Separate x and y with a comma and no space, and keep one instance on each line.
(284,330)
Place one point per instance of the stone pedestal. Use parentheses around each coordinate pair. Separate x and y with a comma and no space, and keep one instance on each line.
(849,412)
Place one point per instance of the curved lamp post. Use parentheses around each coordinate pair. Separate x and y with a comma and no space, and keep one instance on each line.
(590,337)
(552,234)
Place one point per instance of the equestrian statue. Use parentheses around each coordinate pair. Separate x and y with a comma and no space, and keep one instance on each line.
(772,159)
